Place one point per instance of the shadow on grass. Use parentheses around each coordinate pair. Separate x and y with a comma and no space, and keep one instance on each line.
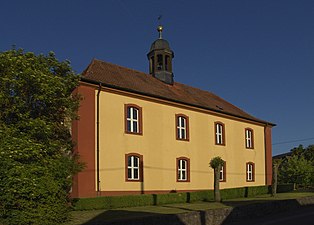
(235,212)
(243,211)
(121,217)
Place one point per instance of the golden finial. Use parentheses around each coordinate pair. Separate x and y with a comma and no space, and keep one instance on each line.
(159,29)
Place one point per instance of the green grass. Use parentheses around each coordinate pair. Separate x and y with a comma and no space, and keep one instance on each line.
(81,217)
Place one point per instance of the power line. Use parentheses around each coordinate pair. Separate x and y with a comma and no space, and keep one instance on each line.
(286,142)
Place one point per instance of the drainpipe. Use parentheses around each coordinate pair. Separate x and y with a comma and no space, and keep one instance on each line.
(97,142)
(265,150)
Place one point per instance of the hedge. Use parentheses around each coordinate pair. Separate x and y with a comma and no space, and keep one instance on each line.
(200,196)
(111,202)
(281,188)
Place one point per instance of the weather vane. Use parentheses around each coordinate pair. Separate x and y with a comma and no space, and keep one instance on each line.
(159,18)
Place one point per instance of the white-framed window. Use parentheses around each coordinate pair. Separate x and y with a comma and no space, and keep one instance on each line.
(219,133)
(183,169)
(222,173)
(250,171)
(133,168)
(249,138)
(133,119)
(182,127)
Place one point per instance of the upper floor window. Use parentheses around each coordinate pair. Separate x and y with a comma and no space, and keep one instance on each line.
(183,169)
(133,119)
(182,127)
(133,167)
(249,138)
(222,173)
(219,133)
(250,171)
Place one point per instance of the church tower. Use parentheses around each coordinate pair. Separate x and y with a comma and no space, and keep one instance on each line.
(160,59)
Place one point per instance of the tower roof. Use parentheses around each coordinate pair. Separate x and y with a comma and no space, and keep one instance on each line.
(160,44)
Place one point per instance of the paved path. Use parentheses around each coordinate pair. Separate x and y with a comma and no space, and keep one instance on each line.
(301,216)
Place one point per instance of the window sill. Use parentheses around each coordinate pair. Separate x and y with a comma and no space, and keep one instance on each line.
(133,180)
(178,139)
(134,133)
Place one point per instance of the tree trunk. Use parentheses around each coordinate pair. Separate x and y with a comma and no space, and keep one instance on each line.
(217,197)
(274,180)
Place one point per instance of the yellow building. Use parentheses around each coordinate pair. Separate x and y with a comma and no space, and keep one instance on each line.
(144,133)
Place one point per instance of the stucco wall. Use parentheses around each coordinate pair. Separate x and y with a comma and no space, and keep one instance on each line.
(159,147)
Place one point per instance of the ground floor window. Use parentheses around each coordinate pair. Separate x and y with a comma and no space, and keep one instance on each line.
(250,170)
(133,167)
(222,173)
(183,169)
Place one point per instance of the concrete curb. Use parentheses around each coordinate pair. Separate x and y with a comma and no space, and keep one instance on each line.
(221,216)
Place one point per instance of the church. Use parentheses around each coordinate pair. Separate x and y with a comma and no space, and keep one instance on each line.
(143,133)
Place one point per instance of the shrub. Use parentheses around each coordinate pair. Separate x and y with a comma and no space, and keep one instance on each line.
(110,202)
(233,193)
(200,196)
(170,198)
(281,188)
(244,192)
(258,190)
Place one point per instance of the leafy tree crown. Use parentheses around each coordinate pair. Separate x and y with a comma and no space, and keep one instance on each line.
(36,151)
(216,162)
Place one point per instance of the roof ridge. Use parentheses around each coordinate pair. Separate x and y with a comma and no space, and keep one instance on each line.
(141,72)
(144,83)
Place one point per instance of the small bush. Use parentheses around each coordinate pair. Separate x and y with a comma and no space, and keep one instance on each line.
(200,196)
(171,198)
(131,201)
(233,193)
(110,202)
(281,188)
(244,192)
(258,190)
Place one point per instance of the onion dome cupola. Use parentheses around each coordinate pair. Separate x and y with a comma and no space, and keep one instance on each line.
(160,59)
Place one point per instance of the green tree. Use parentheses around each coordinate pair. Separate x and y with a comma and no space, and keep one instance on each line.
(296,169)
(216,163)
(308,152)
(36,158)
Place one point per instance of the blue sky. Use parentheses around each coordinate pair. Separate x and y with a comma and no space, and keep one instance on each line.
(256,54)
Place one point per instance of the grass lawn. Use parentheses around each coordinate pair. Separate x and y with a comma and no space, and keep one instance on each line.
(82,217)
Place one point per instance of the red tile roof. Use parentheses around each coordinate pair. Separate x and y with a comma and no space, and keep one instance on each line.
(134,81)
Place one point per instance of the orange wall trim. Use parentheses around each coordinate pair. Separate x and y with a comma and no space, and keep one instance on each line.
(83,134)
(268,155)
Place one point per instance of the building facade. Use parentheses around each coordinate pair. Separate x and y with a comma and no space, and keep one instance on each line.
(145,133)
